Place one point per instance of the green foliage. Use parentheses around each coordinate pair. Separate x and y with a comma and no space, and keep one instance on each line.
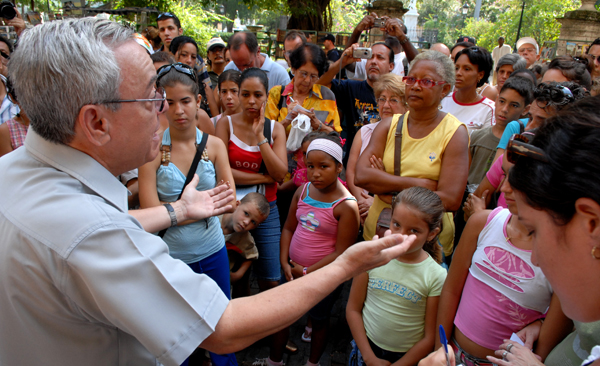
(539,22)
(346,15)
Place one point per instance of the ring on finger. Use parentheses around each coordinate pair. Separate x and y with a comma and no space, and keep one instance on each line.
(509,347)
(504,355)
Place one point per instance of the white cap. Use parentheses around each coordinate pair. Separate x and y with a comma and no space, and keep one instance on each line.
(528,40)
(215,42)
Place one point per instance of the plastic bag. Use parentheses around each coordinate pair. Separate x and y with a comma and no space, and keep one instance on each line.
(300,128)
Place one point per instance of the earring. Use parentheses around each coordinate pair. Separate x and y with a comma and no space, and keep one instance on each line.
(595,253)
(440,107)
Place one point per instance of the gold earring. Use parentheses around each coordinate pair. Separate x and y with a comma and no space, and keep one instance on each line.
(595,253)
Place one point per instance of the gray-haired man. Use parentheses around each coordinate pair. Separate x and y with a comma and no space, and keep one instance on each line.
(81,282)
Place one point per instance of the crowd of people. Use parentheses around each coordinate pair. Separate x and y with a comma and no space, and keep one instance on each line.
(455,186)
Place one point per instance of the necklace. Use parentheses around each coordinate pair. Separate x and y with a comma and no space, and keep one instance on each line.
(508,236)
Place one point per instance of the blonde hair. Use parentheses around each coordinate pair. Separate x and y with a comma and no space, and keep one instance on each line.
(391,82)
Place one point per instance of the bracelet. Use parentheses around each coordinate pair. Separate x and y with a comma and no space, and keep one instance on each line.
(304,271)
(405,40)
(172,215)
(320,126)
(263,142)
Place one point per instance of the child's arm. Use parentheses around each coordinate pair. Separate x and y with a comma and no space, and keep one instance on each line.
(287,186)
(356,301)
(457,275)
(423,347)
(348,223)
(235,276)
(555,328)
(286,236)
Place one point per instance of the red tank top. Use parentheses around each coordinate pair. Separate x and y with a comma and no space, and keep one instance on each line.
(248,158)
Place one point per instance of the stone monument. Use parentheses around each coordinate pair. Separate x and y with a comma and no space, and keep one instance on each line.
(582,25)
(410,20)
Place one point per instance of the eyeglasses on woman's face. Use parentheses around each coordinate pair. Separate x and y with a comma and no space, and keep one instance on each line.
(425,83)
(392,101)
(304,75)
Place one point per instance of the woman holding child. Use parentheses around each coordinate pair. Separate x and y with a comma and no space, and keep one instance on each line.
(433,151)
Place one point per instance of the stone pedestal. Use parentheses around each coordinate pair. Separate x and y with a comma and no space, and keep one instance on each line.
(391,8)
(410,20)
(581,25)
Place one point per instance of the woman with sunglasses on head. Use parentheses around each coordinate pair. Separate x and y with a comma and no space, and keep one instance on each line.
(258,163)
(13,131)
(199,244)
(473,66)
(493,289)
(433,151)
(549,99)
(389,93)
(555,180)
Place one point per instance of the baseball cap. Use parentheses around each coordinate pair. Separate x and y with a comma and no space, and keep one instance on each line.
(466,39)
(214,43)
(528,40)
(328,36)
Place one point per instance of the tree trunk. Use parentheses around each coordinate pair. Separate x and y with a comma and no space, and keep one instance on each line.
(310,15)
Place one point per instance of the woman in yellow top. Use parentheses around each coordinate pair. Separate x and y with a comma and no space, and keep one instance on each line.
(434,151)
(308,63)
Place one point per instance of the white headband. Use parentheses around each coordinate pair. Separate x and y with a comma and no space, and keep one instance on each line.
(327,146)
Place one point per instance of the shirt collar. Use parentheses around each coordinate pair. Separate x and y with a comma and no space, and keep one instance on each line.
(268,64)
(80,166)
(316,90)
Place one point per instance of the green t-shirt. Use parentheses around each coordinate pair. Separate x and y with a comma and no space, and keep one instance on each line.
(482,149)
(394,309)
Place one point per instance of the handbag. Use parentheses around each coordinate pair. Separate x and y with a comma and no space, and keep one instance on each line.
(242,190)
(385,216)
(199,151)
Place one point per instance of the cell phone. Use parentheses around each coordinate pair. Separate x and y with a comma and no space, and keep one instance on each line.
(362,52)
(379,23)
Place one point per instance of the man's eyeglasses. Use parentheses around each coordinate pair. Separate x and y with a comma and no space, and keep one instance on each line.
(159,103)
(393,101)
(425,83)
(179,67)
(519,145)
(305,75)
(526,50)
(557,95)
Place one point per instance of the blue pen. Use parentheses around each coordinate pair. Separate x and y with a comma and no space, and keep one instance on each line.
(444,342)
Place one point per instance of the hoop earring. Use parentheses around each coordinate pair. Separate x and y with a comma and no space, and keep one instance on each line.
(596,252)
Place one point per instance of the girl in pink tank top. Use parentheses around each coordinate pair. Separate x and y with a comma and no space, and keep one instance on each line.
(494,289)
(310,238)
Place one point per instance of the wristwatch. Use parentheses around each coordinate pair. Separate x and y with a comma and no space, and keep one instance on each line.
(263,142)
(171,214)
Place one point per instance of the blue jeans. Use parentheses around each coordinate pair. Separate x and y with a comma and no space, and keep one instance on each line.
(267,236)
(216,266)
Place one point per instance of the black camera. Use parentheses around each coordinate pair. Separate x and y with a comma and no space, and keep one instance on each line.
(7,10)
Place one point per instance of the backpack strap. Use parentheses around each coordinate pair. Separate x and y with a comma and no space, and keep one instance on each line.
(521,126)
(267,133)
(398,146)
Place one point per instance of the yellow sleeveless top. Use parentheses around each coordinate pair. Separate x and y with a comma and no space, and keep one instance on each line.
(421,158)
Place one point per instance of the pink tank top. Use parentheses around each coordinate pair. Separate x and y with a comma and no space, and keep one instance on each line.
(316,233)
(504,291)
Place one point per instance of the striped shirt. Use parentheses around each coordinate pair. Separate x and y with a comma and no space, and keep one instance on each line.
(7,109)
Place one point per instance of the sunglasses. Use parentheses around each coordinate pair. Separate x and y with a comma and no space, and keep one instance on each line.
(5,55)
(558,95)
(179,67)
(519,145)
(425,83)
(165,15)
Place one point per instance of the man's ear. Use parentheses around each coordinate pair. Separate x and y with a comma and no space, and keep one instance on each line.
(92,121)
(180,32)
(391,66)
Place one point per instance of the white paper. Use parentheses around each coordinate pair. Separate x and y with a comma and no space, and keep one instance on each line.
(515,338)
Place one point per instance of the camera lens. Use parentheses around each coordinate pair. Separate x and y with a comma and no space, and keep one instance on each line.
(7,10)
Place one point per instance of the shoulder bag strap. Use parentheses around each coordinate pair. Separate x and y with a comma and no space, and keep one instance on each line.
(521,126)
(398,146)
(199,150)
(281,98)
